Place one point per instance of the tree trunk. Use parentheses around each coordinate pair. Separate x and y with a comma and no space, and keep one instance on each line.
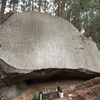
(45,6)
(59,8)
(0,18)
(39,5)
(32,5)
(3,4)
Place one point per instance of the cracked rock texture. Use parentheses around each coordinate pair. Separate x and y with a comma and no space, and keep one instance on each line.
(32,41)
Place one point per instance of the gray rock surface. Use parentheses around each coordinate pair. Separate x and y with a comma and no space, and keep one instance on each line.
(31,41)
(16,90)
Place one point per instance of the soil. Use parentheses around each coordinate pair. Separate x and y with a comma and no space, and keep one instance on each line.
(73,89)
(89,90)
(50,85)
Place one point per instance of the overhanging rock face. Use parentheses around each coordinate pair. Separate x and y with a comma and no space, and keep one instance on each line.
(33,41)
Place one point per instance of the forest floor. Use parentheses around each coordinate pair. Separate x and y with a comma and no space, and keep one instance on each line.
(88,90)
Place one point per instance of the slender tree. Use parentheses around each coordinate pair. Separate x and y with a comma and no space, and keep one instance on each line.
(3,5)
(45,5)
(32,5)
(59,9)
(39,5)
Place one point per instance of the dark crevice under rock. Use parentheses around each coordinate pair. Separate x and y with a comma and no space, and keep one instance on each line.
(12,75)
(46,74)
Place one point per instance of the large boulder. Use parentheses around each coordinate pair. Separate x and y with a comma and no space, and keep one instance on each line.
(36,45)
(16,90)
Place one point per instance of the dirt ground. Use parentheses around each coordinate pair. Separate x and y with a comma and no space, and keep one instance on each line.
(73,89)
(89,90)
(50,85)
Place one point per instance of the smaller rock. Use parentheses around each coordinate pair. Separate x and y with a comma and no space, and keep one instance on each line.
(16,90)
(70,95)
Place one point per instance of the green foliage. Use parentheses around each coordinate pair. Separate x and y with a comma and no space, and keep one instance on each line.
(78,13)
(14,1)
(94,28)
(85,5)
(95,23)
(40,91)
(58,87)
(35,97)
